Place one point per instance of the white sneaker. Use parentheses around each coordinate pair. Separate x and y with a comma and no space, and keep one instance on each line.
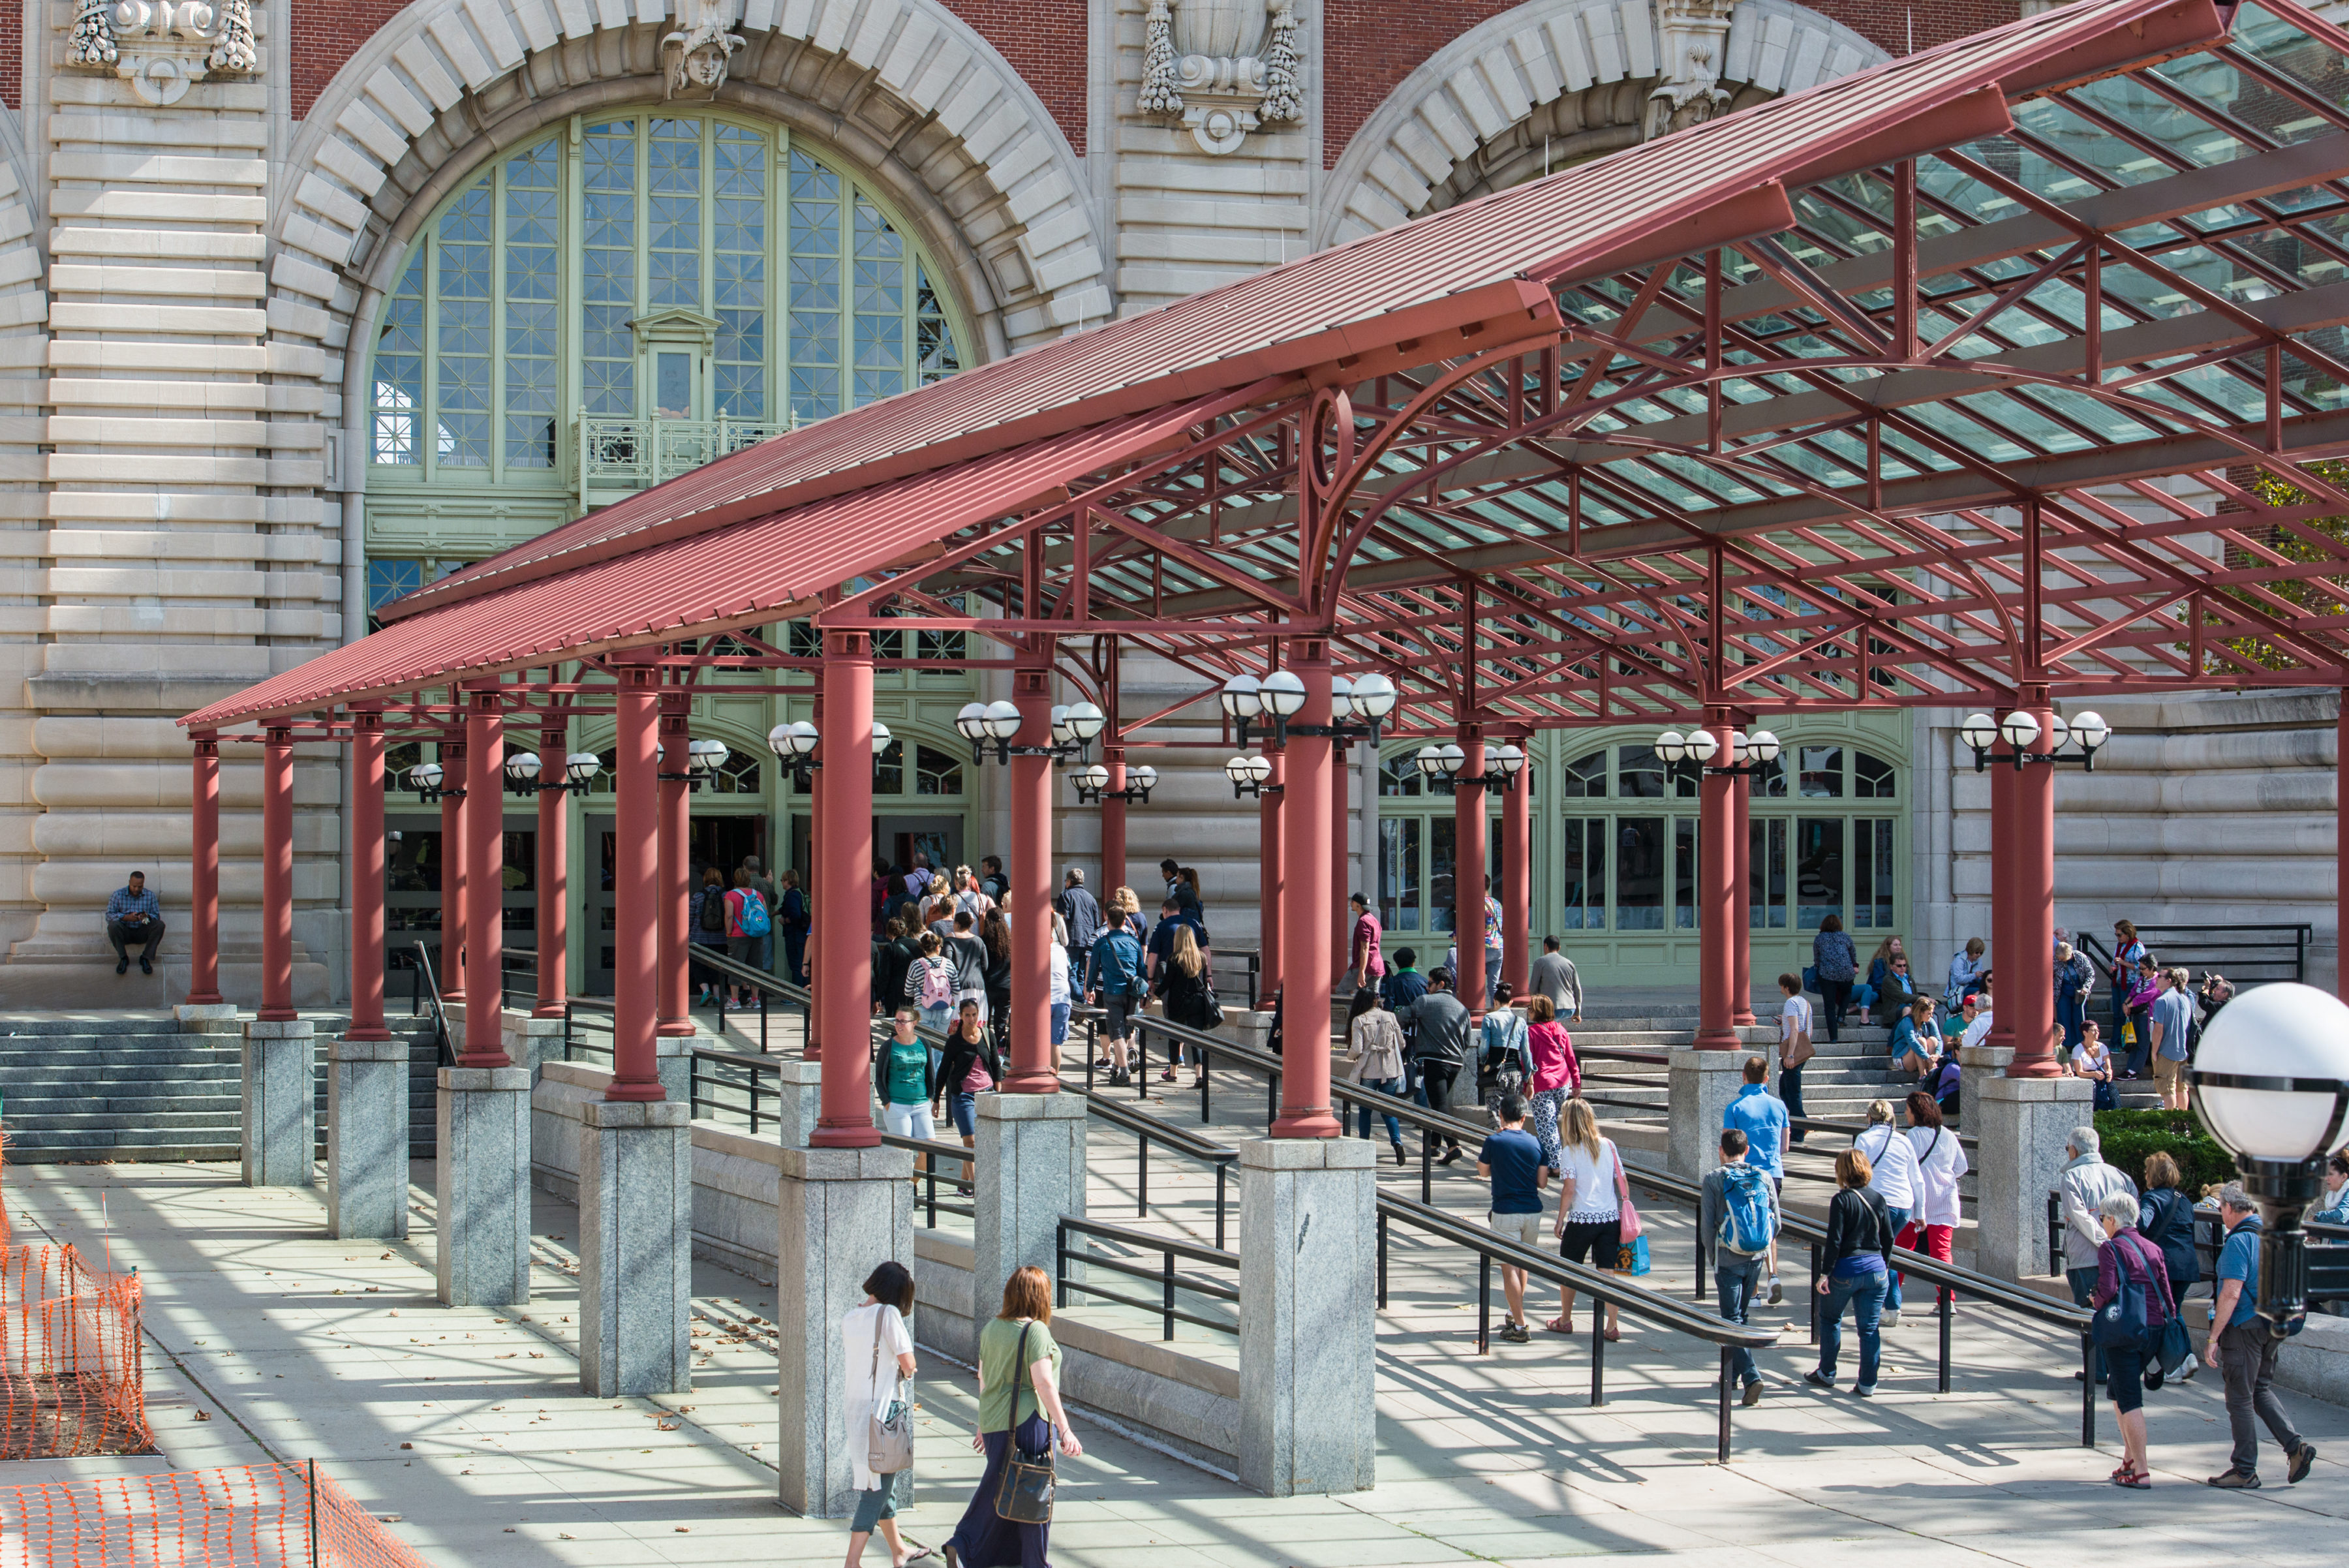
(2188,1368)
(1776,1294)
(1888,1320)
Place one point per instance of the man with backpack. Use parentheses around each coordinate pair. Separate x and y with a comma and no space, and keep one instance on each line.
(1737,1208)
(749,927)
(1118,988)
(2244,1348)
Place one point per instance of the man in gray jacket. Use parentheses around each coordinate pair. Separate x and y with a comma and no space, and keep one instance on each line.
(2085,1183)
(1439,1047)
(1553,976)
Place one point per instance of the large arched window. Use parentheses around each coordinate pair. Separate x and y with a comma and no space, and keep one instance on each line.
(631,295)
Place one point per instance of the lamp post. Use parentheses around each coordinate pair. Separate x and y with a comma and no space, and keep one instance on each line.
(1748,754)
(990,726)
(1092,784)
(523,770)
(1280,696)
(1248,772)
(1443,766)
(427,780)
(2271,1085)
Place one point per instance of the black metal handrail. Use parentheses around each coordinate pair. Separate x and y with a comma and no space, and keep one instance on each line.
(1254,967)
(1599,1283)
(2216,947)
(442,1050)
(1148,1131)
(1952,1280)
(1168,1248)
(934,1150)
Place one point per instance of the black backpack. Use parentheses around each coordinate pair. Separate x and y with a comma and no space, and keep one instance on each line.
(713,913)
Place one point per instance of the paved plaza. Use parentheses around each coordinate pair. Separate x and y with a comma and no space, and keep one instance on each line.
(271,1342)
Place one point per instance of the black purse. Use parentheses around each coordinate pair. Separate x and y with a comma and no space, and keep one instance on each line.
(1024,1495)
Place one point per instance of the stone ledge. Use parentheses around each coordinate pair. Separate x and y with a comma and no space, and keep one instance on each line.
(1031,1107)
(1309,1154)
(280,1029)
(622,1115)
(342,1048)
(485,1080)
(879,1163)
(2315,1362)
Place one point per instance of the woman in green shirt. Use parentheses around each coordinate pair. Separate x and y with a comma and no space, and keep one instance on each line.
(1015,1402)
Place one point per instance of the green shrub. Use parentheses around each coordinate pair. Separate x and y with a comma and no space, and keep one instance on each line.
(2131,1136)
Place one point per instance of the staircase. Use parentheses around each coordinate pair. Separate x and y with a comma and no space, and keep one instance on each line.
(133,1088)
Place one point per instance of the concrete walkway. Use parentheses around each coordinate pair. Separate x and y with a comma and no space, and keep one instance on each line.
(469,1425)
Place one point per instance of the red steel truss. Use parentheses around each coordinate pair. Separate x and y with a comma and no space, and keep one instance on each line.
(1975,379)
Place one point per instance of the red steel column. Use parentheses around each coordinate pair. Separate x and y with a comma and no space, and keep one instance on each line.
(1272,869)
(1716,895)
(277,877)
(635,885)
(1033,1069)
(1517,875)
(1112,824)
(1468,858)
(485,887)
(2005,949)
(2022,992)
(1741,937)
(2340,847)
(453,869)
(203,874)
(1341,920)
(844,991)
(366,878)
(1305,963)
(675,893)
(812,1020)
(553,872)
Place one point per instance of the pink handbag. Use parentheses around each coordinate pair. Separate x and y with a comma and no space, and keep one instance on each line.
(1633,1226)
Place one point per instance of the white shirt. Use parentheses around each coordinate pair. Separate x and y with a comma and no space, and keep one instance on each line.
(866,1377)
(1060,990)
(1940,1160)
(1595,1197)
(1794,1019)
(1894,1159)
(1976,1031)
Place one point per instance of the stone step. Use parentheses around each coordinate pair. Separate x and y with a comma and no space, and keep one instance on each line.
(71,1023)
(22,1126)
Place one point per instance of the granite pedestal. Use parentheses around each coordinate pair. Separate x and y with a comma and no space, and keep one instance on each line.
(482,1185)
(840,1212)
(280,1103)
(366,1139)
(1701,1085)
(1308,1318)
(801,1085)
(1031,1170)
(1977,1064)
(636,1248)
(207,1018)
(530,1042)
(2024,1126)
(673,1056)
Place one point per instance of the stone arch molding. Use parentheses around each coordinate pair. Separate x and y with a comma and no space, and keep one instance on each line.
(902,88)
(1577,75)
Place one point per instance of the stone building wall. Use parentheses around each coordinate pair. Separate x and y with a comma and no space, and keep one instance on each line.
(196,241)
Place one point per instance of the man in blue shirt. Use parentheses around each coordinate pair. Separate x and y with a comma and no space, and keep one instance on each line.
(133,915)
(2244,1350)
(1511,1160)
(1760,1115)
(2172,1017)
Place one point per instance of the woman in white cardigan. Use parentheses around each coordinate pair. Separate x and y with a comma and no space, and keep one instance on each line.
(1940,1160)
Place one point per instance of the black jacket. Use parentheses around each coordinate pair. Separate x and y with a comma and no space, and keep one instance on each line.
(1856,1223)
(1439,1027)
(2167,1220)
(1185,996)
(892,964)
(955,1066)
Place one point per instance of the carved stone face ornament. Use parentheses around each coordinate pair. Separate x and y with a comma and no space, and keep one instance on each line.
(161,48)
(697,54)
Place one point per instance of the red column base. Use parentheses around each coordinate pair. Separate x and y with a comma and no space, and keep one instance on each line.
(203,999)
(277,1015)
(1307,1121)
(1032,1083)
(844,1135)
(546,1010)
(635,1093)
(483,1059)
(368,1034)
(1719,1040)
(670,1028)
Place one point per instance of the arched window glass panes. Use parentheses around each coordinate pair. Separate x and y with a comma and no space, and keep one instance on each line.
(1822,773)
(639,272)
(1585,776)
(1871,777)
(388,580)
(937,771)
(1399,775)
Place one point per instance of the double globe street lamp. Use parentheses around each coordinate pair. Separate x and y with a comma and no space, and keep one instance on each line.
(579,771)
(1075,726)
(1748,754)
(794,744)
(1440,766)
(1280,696)
(2020,730)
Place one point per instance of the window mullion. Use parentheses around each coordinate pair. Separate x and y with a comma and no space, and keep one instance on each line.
(497,343)
(428,398)
(571,293)
(644,240)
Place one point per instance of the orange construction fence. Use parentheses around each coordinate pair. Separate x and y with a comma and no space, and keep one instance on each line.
(260,1516)
(72,1375)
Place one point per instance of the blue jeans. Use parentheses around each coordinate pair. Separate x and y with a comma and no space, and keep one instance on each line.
(2070,1013)
(962,1109)
(1736,1284)
(1384,1086)
(1863,1294)
(1899,1219)
(767,951)
(1059,1023)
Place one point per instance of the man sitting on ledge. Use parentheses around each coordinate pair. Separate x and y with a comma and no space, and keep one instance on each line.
(134,915)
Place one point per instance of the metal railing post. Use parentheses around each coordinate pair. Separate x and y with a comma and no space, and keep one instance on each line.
(1169,1265)
(2054,1234)
(1484,1304)
(1427,1165)
(1206,1060)
(567,1031)
(1093,1050)
(1060,1246)
(1812,1291)
(1722,1455)
(1942,1309)
(1141,1203)
(1698,1294)
(1271,1099)
(1219,1204)
(1597,1352)
(762,1024)
(1383,1260)
(2088,1390)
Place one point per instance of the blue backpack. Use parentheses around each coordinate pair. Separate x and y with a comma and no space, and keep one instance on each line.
(753,916)
(1744,1212)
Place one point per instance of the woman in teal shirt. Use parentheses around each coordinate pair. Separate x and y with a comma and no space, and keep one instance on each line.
(1014,1402)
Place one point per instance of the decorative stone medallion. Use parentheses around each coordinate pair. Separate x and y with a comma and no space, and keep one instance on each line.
(1223,66)
(695,56)
(161,48)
